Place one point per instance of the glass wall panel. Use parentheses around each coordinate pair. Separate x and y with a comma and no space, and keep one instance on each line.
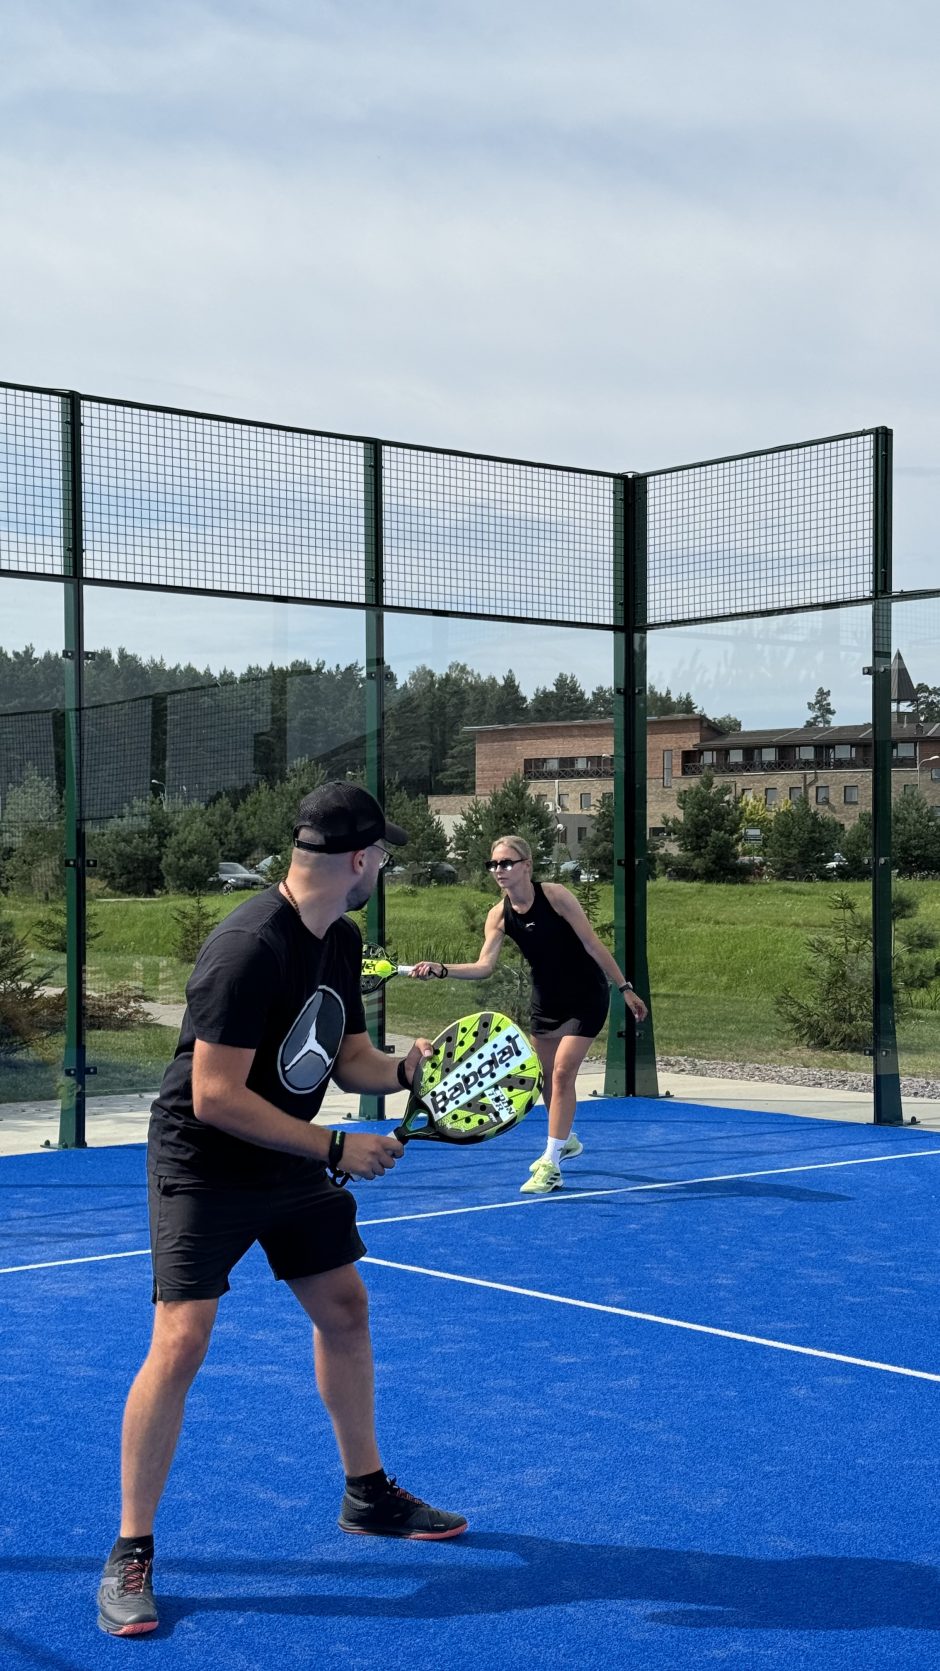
(915,780)
(207,721)
(761,871)
(491,724)
(32,886)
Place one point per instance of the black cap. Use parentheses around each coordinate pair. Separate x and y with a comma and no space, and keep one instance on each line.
(344,817)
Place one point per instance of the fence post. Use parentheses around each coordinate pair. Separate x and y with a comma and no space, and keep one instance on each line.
(373,1107)
(75,1065)
(631,1050)
(885,1066)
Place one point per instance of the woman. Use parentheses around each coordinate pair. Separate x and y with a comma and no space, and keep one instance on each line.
(570,968)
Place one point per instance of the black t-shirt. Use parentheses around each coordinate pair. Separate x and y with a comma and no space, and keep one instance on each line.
(261,982)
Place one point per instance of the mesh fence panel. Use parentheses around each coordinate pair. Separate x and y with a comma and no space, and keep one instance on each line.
(30,769)
(782,530)
(115,758)
(178,500)
(31,520)
(479,536)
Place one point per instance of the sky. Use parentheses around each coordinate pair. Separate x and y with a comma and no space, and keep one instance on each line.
(618,235)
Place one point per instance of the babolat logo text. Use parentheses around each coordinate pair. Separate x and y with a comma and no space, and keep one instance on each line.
(478,1071)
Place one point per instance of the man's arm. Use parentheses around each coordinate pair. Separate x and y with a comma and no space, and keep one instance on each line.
(221,1098)
(360,1067)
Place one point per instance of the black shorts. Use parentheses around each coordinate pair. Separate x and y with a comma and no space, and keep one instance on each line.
(199,1231)
(590,1016)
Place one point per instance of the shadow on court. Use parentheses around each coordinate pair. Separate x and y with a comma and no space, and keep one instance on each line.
(757,1189)
(684,1588)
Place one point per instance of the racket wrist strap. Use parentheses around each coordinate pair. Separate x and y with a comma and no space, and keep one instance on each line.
(334,1153)
(401,1074)
(444,972)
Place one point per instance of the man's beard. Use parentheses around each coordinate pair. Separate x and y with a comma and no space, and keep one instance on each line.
(359,894)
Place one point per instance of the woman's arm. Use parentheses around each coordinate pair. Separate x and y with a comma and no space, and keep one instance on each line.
(563,901)
(493,935)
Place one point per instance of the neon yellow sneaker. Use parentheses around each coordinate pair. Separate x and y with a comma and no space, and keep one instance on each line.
(573,1146)
(545,1177)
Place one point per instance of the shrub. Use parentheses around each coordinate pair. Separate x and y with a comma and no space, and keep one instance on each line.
(192,922)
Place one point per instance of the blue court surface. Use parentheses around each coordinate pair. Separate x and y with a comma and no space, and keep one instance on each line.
(689,1406)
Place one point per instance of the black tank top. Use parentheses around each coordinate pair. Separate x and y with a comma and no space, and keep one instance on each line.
(565,977)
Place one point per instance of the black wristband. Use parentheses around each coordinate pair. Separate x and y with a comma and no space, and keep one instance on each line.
(334,1153)
(401,1073)
(627,987)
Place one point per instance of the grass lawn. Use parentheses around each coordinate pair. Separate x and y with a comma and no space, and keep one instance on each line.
(718,958)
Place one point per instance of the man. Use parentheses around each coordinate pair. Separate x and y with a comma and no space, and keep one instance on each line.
(273,1012)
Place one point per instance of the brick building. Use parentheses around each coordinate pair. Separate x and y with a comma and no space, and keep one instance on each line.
(569,763)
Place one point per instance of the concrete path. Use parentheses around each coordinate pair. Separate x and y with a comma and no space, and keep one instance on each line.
(26,1127)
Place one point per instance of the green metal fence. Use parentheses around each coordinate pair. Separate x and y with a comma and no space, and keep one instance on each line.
(98,496)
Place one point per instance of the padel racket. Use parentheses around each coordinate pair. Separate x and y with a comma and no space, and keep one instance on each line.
(481,1079)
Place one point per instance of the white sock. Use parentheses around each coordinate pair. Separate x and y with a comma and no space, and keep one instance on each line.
(553,1150)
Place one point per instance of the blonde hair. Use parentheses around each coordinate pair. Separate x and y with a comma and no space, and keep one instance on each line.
(519,847)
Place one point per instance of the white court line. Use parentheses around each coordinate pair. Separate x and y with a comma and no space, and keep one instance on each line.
(87,1259)
(634,1189)
(650,1317)
(530,1201)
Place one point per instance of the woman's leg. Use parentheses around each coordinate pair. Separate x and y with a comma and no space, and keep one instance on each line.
(569,1053)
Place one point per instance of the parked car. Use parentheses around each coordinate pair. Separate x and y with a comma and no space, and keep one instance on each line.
(836,865)
(232,877)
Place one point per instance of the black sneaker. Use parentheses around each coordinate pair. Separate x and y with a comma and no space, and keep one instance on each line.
(125,1595)
(396,1514)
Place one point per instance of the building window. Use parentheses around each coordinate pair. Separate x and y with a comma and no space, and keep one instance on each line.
(735,756)
(585,801)
(935,774)
(563,802)
(822,794)
(708,757)
(904,751)
(908,789)
(771,797)
(850,794)
(582,833)
(843,751)
(796,793)
(667,768)
(768,756)
(657,831)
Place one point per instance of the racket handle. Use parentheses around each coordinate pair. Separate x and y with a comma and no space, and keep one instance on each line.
(404,969)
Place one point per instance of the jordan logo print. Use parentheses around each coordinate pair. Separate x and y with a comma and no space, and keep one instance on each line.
(309,1050)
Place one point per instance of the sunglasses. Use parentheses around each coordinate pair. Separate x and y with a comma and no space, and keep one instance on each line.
(503,864)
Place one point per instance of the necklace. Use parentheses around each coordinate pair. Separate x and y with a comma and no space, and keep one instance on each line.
(292,900)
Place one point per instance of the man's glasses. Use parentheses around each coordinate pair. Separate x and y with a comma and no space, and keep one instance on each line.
(386,857)
(503,864)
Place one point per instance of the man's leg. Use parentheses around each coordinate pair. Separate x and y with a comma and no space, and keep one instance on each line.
(152,1419)
(154,1411)
(338,1307)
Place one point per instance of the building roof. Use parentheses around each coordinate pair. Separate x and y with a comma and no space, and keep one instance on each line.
(902,685)
(811,734)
